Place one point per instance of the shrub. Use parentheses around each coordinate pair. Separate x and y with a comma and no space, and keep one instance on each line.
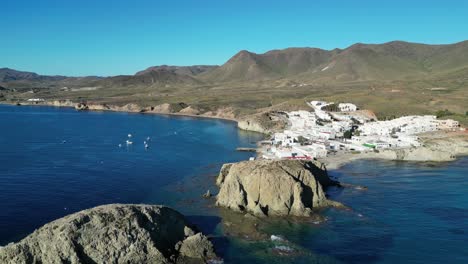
(348,134)
(442,113)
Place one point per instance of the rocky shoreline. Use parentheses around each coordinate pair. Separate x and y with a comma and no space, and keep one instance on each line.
(267,123)
(115,233)
(226,114)
(436,147)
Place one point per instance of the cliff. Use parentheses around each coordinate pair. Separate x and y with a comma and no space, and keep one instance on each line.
(113,233)
(274,187)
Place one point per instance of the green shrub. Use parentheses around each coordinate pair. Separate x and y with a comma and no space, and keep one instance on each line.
(442,113)
(348,134)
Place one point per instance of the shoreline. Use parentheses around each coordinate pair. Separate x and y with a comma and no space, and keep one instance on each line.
(437,147)
(115,109)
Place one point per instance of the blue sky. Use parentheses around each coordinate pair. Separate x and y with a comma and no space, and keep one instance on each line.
(84,37)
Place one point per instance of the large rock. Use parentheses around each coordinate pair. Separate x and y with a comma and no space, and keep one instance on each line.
(266,123)
(113,234)
(274,187)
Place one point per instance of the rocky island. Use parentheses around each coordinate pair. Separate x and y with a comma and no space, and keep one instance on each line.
(115,233)
(274,187)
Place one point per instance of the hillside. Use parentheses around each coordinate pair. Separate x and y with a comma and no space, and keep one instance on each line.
(360,62)
(180,70)
(8,75)
(393,78)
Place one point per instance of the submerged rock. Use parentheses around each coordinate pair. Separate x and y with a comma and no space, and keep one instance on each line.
(274,187)
(113,234)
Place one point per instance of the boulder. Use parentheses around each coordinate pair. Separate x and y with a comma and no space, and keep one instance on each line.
(274,187)
(113,233)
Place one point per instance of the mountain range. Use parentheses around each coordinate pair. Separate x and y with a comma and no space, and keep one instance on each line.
(392,79)
(395,60)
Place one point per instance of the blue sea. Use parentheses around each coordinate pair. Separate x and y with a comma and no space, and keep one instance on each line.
(56,161)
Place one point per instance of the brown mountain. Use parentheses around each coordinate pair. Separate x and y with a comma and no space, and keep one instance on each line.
(181,70)
(359,62)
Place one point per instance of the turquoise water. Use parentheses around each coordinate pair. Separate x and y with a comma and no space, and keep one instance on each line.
(411,213)
(57,161)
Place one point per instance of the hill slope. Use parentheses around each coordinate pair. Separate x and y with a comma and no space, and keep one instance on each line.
(359,62)
(181,70)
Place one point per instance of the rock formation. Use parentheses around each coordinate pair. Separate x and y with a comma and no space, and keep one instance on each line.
(81,106)
(113,234)
(274,187)
(266,123)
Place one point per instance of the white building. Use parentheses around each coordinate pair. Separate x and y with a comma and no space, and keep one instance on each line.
(323,115)
(36,100)
(318,105)
(347,107)
(448,124)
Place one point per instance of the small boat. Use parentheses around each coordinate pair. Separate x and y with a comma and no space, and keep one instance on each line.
(129,135)
(120,145)
(129,142)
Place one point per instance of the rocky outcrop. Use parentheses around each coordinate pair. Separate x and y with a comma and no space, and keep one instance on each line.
(113,234)
(266,123)
(223,112)
(190,110)
(81,106)
(61,103)
(274,187)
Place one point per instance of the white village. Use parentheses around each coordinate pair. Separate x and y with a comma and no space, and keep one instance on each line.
(330,128)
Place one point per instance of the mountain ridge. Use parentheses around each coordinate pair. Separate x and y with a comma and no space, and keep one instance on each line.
(359,62)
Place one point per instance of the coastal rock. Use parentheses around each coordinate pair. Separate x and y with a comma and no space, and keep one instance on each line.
(266,123)
(222,112)
(99,107)
(167,108)
(81,106)
(130,108)
(113,233)
(61,103)
(190,110)
(274,187)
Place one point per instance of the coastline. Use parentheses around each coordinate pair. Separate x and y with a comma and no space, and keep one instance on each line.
(99,108)
(437,147)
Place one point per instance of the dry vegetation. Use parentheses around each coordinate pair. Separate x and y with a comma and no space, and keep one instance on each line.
(392,79)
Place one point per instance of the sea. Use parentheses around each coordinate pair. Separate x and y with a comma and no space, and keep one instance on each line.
(57,161)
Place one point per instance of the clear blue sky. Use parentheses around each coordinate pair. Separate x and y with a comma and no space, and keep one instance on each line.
(98,37)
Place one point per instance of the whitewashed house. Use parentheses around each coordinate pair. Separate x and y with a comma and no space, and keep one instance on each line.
(347,107)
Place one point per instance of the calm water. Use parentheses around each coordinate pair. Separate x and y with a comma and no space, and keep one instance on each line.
(411,213)
(42,178)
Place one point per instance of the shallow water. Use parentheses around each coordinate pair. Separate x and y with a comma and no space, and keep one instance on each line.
(411,213)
